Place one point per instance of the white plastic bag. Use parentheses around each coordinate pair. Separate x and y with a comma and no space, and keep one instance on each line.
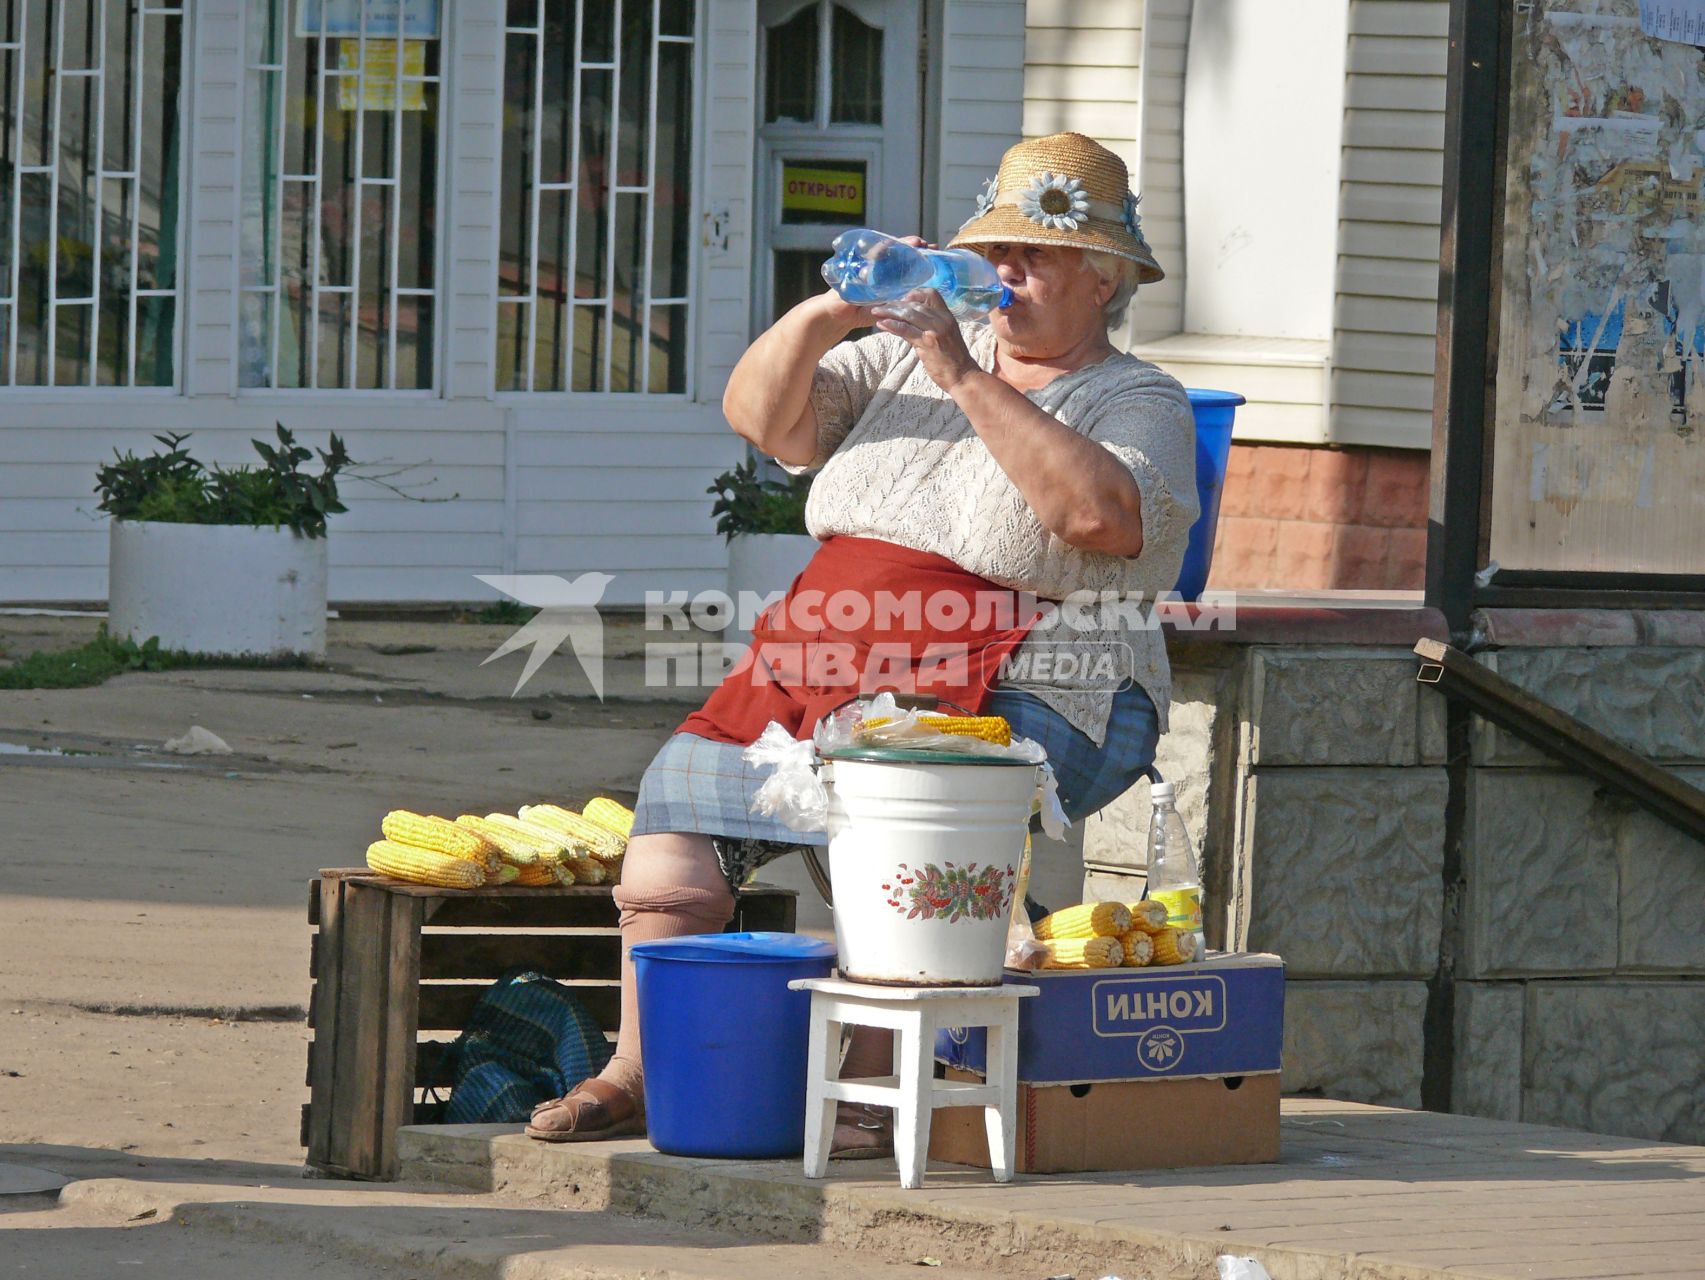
(198,742)
(1236,1268)
(793,794)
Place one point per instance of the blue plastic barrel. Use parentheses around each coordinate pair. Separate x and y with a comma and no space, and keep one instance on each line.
(725,1041)
(1214,411)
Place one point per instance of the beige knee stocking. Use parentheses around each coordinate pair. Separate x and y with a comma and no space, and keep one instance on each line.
(667,891)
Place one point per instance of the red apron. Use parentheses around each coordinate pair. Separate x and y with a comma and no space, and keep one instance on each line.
(864,616)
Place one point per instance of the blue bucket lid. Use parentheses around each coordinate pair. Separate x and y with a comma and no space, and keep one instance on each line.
(737,948)
(1201,398)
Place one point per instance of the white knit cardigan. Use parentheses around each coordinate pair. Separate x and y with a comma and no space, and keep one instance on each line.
(897,460)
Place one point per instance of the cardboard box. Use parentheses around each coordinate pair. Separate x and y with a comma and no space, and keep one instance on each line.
(1135,1124)
(1133,1069)
(1223,1016)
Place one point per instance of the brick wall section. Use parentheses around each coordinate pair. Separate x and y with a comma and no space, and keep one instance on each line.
(1312,517)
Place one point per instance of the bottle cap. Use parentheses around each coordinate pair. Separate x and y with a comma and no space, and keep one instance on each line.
(1162,791)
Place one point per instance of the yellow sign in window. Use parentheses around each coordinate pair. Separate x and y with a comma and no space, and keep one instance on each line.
(379,90)
(805,189)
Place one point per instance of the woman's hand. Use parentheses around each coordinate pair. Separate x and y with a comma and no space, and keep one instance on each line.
(923,320)
(845,316)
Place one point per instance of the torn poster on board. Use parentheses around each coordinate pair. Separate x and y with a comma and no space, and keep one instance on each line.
(1618,258)
(1679,20)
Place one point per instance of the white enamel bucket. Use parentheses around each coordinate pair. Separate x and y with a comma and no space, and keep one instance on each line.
(923,863)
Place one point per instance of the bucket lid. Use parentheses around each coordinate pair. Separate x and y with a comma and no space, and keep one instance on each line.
(1204,398)
(737,948)
(918,755)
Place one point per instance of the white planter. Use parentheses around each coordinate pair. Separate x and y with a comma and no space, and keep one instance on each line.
(896,830)
(762,564)
(222,589)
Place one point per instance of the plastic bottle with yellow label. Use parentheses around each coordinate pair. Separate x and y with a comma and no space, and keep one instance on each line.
(1173,876)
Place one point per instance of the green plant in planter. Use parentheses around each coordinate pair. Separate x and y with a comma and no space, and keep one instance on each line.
(747,502)
(173,487)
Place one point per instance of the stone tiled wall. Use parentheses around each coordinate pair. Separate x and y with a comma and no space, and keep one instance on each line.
(1313,778)
(1313,517)
(1582,1000)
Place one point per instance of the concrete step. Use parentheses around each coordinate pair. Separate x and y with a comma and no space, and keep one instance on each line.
(395,1232)
(1360,1193)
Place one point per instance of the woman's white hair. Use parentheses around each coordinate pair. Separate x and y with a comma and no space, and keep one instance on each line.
(1123,272)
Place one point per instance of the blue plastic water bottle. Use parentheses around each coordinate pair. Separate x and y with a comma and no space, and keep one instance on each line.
(867,267)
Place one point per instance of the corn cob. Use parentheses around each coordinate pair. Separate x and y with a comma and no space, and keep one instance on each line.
(424,866)
(609,814)
(1082,953)
(439,835)
(1091,920)
(508,873)
(989,728)
(599,842)
(517,847)
(550,843)
(1138,948)
(586,870)
(1173,947)
(1148,915)
(546,871)
(564,847)
(994,729)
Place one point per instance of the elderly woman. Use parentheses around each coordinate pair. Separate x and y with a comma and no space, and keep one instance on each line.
(1025,458)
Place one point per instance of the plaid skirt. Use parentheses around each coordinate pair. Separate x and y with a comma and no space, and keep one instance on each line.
(699,786)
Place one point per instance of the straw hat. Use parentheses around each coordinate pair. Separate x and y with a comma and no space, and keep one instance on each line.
(1064,189)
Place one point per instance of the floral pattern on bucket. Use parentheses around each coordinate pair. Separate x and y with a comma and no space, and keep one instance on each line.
(951,893)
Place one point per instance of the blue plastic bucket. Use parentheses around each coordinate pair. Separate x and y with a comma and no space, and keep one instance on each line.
(1214,411)
(725,1041)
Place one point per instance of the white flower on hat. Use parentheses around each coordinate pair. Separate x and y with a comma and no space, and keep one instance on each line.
(1133,221)
(1057,202)
(985,202)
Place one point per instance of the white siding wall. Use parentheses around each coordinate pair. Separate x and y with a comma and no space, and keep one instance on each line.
(1388,236)
(982,100)
(474,127)
(1166,37)
(208,339)
(1083,74)
(1261,182)
(1082,62)
(556,483)
(728,69)
(53,544)
(579,504)
(617,484)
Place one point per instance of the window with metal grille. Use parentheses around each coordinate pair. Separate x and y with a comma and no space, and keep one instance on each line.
(90,133)
(340,195)
(595,251)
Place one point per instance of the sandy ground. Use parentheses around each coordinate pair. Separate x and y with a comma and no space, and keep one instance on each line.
(153,933)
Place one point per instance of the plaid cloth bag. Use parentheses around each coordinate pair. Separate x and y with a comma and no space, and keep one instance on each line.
(528,1040)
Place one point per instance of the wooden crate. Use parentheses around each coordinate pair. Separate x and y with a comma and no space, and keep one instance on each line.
(397,968)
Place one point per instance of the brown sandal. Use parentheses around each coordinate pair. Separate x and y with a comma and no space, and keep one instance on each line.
(556,1102)
(596,1109)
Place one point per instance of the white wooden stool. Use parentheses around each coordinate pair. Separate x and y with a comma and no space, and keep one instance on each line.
(914,1014)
